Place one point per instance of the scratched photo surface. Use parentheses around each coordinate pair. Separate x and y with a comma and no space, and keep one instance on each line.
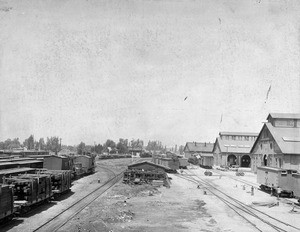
(146,70)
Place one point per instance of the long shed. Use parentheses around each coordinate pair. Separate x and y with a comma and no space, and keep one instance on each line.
(149,166)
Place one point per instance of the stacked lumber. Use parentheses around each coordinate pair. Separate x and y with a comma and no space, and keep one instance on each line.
(6,201)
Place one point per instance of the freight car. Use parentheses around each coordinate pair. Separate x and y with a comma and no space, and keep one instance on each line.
(206,161)
(7,208)
(60,180)
(55,162)
(170,161)
(30,190)
(21,163)
(183,162)
(282,182)
(87,163)
(15,172)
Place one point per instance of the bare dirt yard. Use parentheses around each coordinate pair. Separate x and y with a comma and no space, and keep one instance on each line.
(182,207)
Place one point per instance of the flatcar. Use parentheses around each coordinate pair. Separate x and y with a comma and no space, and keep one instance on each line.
(61,180)
(7,208)
(282,182)
(15,172)
(30,190)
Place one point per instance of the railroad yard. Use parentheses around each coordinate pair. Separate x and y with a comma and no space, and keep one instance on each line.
(149,116)
(193,202)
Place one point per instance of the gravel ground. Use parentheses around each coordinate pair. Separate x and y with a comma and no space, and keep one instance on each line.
(182,207)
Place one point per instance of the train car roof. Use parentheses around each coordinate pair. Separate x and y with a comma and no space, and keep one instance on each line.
(21,162)
(15,170)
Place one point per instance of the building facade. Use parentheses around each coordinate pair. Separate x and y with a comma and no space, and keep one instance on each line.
(193,149)
(278,143)
(233,148)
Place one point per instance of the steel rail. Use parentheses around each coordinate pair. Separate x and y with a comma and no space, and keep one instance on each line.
(59,220)
(241,206)
(251,208)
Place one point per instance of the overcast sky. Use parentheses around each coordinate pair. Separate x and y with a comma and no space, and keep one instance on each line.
(174,71)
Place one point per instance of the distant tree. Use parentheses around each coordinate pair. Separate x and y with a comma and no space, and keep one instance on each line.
(29,143)
(81,148)
(155,146)
(181,149)
(53,144)
(109,146)
(11,144)
(2,146)
(98,148)
(137,143)
(122,146)
(42,145)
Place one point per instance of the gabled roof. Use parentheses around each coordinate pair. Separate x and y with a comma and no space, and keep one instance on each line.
(150,163)
(198,147)
(287,138)
(234,146)
(283,115)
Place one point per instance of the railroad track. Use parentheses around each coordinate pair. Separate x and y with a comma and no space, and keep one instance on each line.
(255,185)
(57,222)
(249,183)
(259,220)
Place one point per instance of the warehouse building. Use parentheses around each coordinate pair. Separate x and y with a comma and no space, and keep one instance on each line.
(233,148)
(193,149)
(278,143)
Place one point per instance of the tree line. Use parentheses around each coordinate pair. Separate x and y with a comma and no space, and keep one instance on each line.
(53,143)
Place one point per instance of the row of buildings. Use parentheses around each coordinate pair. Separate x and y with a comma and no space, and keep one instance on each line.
(276,145)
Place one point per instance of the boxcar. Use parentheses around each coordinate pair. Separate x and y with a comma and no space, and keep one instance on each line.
(87,162)
(296,185)
(6,203)
(273,179)
(183,163)
(21,163)
(55,162)
(206,160)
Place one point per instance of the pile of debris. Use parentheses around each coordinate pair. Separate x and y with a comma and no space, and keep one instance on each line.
(157,178)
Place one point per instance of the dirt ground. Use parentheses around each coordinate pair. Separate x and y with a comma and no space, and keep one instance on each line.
(182,207)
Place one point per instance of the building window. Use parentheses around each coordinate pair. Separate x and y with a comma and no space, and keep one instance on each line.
(271,146)
(233,137)
(247,138)
(261,146)
(280,164)
(265,160)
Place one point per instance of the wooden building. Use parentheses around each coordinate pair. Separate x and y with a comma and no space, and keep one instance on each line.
(192,149)
(278,143)
(148,166)
(233,148)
